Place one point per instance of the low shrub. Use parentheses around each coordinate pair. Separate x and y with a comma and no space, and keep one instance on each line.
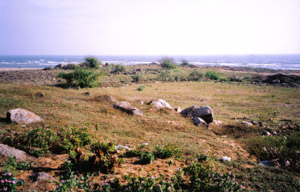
(116,69)
(185,63)
(146,158)
(195,76)
(212,75)
(137,77)
(200,178)
(166,151)
(165,75)
(168,63)
(41,141)
(79,78)
(133,153)
(91,62)
(140,88)
(104,160)
(283,150)
(8,182)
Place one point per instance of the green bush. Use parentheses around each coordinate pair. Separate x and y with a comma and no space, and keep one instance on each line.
(133,153)
(195,76)
(140,88)
(165,75)
(79,78)
(116,69)
(104,160)
(185,63)
(41,141)
(137,77)
(166,151)
(168,63)
(91,62)
(212,75)
(146,158)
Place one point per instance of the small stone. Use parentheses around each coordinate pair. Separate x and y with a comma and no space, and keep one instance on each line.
(118,147)
(145,144)
(178,109)
(266,163)
(266,133)
(247,123)
(287,163)
(40,94)
(225,158)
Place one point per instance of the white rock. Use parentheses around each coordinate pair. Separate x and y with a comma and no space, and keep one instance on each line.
(118,147)
(225,158)
(247,123)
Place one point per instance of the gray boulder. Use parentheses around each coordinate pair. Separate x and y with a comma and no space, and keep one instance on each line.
(41,176)
(6,151)
(203,112)
(199,122)
(126,107)
(160,103)
(22,116)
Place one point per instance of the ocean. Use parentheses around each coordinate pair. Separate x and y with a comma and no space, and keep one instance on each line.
(285,62)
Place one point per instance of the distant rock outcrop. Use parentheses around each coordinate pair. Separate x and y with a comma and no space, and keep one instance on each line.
(126,107)
(203,112)
(22,116)
(160,103)
(283,80)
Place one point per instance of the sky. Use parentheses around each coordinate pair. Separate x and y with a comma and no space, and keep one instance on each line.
(149,27)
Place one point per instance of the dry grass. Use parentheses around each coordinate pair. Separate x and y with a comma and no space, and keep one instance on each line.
(65,107)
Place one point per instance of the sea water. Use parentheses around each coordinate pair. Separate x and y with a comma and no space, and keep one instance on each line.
(285,62)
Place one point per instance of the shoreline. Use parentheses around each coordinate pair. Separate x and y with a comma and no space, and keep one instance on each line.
(19,69)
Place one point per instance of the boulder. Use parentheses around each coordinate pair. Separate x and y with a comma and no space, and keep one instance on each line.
(106,98)
(126,107)
(22,116)
(6,151)
(41,176)
(199,122)
(203,112)
(160,103)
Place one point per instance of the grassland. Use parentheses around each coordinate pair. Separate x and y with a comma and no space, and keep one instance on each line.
(232,103)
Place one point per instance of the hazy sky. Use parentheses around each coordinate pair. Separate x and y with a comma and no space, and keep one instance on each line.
(149,27)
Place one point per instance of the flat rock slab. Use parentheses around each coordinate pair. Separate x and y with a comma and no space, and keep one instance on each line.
(22,116)
(7,151)
(126,107)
